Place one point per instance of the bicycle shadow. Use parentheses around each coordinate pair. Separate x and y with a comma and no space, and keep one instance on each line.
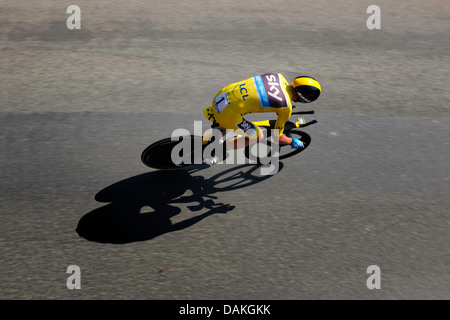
(122,220)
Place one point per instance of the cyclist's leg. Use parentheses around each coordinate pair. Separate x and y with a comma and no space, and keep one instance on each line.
(230,117)
(213,157)
(247,133)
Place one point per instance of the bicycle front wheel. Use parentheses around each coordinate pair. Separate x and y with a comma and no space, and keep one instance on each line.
(285,151)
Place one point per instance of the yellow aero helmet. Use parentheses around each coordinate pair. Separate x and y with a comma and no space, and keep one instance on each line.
(308,89)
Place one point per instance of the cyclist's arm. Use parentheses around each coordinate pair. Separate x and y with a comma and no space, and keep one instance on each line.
(283,139)
(283,116)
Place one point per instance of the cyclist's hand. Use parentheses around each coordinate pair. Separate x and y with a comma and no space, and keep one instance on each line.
(297,144)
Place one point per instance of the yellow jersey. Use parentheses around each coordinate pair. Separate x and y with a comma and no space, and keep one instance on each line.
(269,92)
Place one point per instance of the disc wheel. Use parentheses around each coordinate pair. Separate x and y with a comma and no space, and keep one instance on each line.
(159,154)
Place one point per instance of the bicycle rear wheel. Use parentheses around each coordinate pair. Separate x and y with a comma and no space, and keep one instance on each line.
(159,154)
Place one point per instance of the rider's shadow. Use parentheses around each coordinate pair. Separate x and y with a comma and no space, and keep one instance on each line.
(124,219)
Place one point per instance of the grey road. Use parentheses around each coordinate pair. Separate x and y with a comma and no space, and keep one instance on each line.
(77,107)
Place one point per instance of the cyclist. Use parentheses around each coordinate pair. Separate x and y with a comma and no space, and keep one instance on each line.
(269,92)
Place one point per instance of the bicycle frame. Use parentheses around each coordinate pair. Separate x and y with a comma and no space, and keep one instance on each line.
(269,124)
(158,155)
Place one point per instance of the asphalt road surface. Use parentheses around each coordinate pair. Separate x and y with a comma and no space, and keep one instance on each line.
(77,107)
